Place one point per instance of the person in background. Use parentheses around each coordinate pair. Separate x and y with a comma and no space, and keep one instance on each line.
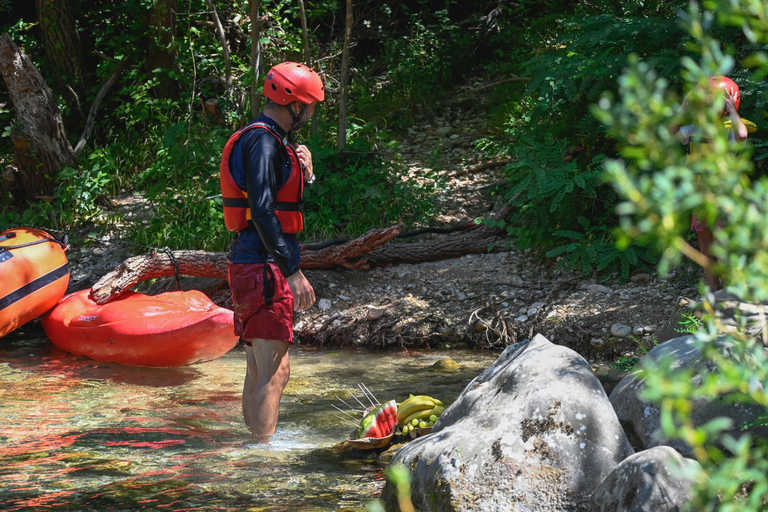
(263,175)
(697,147)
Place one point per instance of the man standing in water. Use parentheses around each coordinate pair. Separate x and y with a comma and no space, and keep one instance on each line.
(262,181)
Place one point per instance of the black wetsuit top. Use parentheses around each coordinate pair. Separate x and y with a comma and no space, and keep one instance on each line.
(260,166)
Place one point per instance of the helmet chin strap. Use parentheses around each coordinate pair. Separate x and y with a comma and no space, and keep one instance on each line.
(297,117)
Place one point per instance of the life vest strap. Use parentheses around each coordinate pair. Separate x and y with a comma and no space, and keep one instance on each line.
(235,202)
(289,207)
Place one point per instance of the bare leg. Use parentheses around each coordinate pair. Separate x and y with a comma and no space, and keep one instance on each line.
(267,373)
(705,245)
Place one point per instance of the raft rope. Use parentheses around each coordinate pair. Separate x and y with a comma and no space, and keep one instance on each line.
(169,252)
(64,242)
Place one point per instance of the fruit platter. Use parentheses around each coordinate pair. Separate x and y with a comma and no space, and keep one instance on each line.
(382,422)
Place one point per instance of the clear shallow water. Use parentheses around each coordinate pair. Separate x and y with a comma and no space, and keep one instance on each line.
(77,434)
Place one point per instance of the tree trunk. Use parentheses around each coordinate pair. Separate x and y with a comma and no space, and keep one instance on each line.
(255,57)
(214,264)
(40,143)
(342,141)
(161,53)
(64,50)
(224,47)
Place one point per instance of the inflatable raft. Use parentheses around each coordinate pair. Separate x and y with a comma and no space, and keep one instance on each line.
(169,329)
(34,275)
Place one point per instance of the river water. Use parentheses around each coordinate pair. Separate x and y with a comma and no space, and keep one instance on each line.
(77,434)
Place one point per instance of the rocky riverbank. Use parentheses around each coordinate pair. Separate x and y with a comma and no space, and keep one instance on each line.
(486,301)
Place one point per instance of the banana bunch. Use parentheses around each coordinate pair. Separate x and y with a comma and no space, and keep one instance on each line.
(419,411)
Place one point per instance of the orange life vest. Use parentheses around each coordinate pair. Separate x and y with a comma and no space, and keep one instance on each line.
(290,202)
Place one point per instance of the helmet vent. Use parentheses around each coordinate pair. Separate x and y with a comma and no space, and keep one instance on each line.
(274,87)
(288,91)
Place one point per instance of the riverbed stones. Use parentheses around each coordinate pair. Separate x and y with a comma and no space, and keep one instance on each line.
(642,419)
(534,431)
(655,480)
(620,330)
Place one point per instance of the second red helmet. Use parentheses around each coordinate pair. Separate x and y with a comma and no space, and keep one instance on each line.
(723,82)
(290,81)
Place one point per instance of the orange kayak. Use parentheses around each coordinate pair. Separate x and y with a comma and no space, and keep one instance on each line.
(169,329)
(34,275)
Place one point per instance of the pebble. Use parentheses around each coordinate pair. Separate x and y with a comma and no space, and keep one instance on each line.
(638,330)
(521,319)
(620,330)
(324,304)
(444,130)
(640,278)
(650,328)
(374,313)
(597,342)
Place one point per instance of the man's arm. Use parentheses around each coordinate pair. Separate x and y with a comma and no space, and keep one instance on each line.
(739,128)
(262,158)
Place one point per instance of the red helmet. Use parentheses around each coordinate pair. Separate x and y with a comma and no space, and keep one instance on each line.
(290,81)
(723,82)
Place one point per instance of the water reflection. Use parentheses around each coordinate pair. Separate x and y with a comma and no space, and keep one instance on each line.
(77,434)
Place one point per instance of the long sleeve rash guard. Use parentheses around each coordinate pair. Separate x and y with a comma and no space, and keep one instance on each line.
(260,166)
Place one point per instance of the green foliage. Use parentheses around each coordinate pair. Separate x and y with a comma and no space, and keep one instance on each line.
(660,190)
(689,324)
(561,202)
(625,363)
(359,190)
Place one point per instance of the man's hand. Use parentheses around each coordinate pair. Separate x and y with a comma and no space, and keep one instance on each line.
(303,293)
(305,159)
(739,128)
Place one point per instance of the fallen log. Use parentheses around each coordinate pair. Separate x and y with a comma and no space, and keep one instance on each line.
(214,264)
(369,250)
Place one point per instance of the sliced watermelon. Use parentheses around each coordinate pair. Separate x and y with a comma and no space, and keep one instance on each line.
(379,422)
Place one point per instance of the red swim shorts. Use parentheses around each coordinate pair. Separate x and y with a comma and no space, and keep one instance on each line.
(255,317)
(698,224)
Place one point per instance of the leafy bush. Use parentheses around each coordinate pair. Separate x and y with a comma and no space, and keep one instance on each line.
(660,191)
(562,204)
(358,190)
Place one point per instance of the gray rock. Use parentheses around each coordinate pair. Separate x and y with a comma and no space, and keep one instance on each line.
(521,319)
(594,289)
(375,313)
(516,280)
(655,480)
(642,420)
(638,330)
(640,278)
(534,431)
(620,330)
(597,342)
(324,304)
(443,131)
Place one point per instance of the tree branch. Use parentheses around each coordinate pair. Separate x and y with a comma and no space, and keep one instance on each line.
(95,105)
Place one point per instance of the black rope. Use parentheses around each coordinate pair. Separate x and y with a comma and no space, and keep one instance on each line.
(63,243)
(169,252)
